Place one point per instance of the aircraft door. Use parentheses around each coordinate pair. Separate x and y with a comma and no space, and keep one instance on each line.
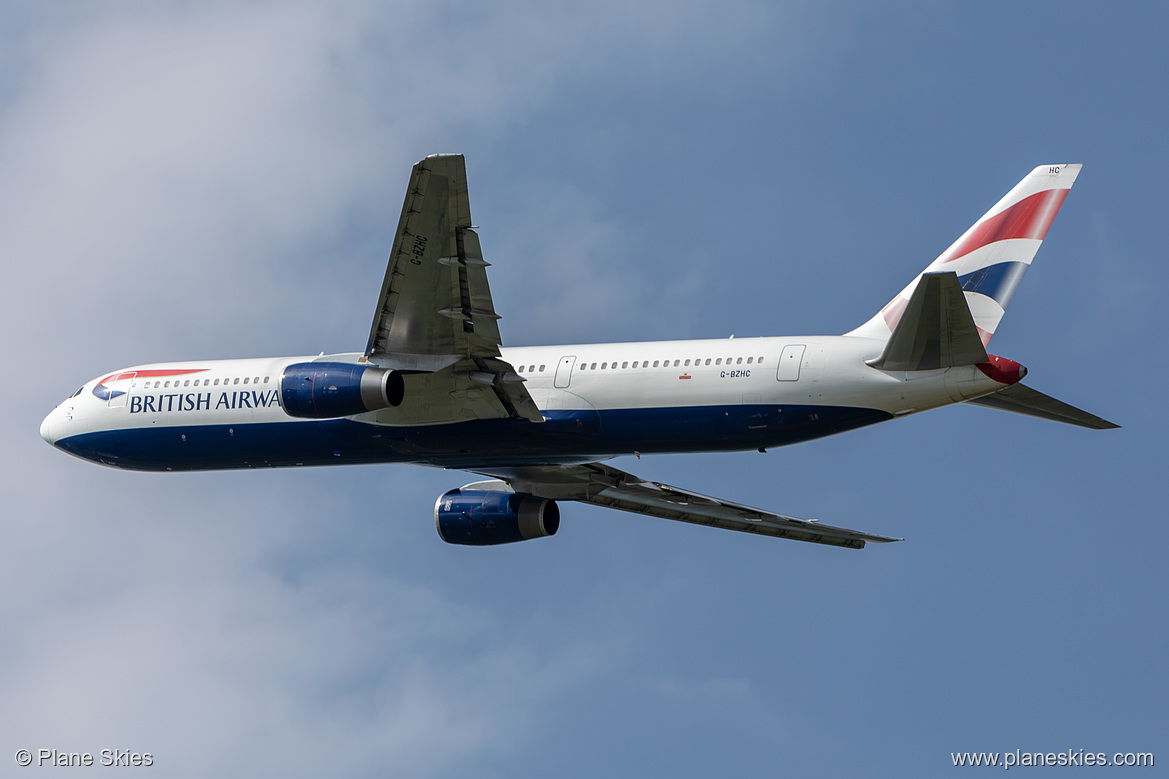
(119,389)
(789,362)
(564,371)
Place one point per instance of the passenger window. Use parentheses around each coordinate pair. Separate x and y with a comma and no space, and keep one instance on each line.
(677,361)
(521,369)
(236,381)
(217,382)
(719,361)
(687,364)
(245,379)
(541,368)
(760,360)
(708,361)
(749,360)
(266,379)
(739,361)
(166,383)
(604,365)
(625,364)
(655,363)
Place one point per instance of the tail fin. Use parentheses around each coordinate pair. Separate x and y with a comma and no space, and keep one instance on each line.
(991,257)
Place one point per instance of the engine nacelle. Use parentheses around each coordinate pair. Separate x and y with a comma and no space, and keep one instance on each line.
(322,390)
(486,517)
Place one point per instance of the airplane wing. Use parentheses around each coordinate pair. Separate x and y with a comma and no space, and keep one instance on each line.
(603,485)
(435,314)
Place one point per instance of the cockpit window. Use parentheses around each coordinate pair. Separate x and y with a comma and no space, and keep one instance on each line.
(78,392)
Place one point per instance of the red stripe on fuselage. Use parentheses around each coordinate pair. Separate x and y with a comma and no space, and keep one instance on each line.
(152,374)
(1029,218)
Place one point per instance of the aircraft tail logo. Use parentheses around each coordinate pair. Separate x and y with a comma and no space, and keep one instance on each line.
(991,257)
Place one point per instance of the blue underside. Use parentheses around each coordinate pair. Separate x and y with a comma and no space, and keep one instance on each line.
(566,437)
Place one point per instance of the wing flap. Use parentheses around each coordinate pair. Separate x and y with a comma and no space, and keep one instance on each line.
(603,485)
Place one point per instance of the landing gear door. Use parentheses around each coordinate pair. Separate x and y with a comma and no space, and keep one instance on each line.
(564,371)
(789,362)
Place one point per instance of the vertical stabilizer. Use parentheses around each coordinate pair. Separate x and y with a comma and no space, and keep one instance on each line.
(991,257)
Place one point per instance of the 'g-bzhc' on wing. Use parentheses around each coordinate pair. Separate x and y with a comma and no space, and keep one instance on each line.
(435,315)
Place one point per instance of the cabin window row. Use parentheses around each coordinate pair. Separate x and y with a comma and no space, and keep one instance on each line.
(204,382)
(700,362)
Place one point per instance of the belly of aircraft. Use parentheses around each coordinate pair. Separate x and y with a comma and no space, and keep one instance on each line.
(567,436)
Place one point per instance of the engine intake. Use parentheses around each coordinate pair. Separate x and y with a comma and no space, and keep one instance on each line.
(487,517)
(323,390)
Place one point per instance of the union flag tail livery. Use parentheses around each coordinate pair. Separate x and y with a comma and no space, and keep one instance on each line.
(436,387)
(991,257)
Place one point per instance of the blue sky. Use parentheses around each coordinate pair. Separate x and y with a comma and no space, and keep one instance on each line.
(191,181)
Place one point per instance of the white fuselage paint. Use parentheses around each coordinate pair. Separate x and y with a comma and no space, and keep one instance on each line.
(832,372)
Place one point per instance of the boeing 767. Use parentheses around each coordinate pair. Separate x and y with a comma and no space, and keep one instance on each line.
(434,385)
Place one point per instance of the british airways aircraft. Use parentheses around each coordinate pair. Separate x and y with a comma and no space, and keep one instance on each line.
(435,387)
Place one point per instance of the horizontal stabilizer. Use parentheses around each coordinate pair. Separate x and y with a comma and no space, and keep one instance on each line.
(936,329)
(1019,399)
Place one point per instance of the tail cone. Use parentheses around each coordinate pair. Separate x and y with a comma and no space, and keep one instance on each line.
(1002,370)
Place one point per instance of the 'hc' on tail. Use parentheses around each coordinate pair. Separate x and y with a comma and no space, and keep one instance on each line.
(991,257)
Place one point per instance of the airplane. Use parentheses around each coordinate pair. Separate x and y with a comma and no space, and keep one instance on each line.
(435,387)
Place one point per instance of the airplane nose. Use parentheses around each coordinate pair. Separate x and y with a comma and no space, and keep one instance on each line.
(47,427)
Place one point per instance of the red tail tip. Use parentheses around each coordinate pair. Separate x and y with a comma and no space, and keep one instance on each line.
(1002,370)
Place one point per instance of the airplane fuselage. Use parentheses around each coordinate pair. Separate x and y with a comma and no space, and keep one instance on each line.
(597,401)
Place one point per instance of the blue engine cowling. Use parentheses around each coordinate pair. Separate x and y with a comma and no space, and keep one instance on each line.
(486,517)
(323,390)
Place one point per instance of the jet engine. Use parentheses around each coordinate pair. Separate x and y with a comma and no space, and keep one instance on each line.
(484,517)
(322,390)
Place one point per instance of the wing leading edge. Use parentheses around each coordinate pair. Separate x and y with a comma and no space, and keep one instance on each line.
(603,485)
